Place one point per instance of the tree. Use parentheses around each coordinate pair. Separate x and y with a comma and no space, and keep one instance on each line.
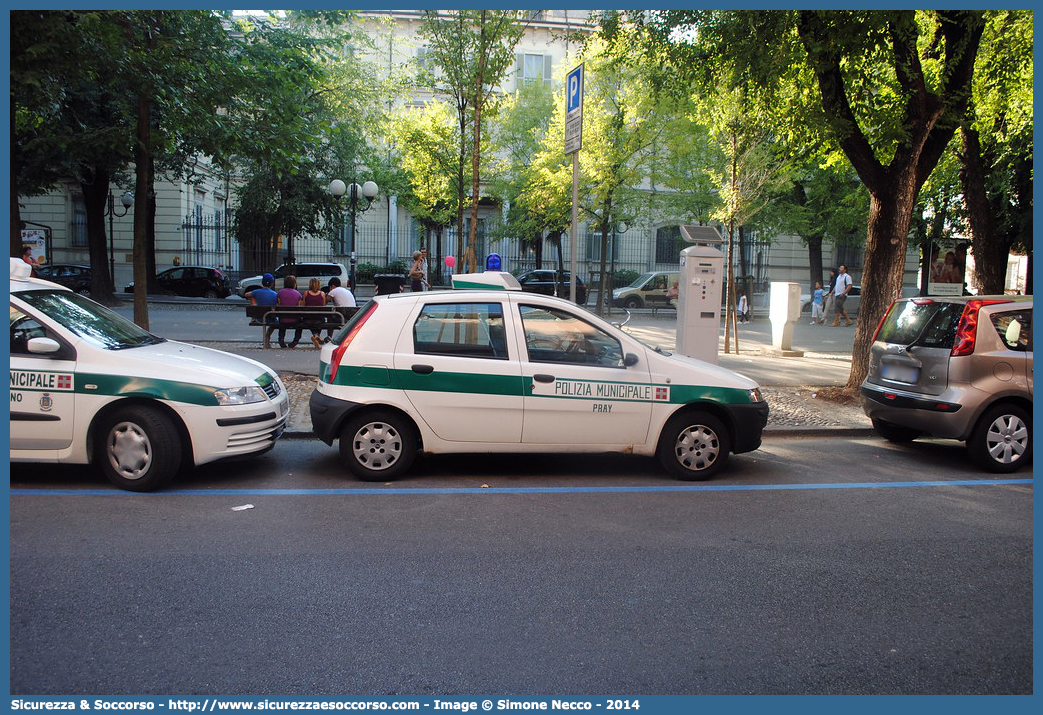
(888,88)
(622,123)
(996,149)
(523,124)
(474,50)
(422,140)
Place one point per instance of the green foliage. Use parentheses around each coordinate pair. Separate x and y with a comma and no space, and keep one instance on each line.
(624,277)
(366,272)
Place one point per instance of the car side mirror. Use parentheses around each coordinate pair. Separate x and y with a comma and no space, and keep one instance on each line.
(43,346)
(630,359)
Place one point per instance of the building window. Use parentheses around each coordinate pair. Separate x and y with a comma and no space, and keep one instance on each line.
(850,256)
(668,244)
(78,235)
(535,68)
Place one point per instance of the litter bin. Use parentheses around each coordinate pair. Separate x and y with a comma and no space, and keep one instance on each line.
(388,283)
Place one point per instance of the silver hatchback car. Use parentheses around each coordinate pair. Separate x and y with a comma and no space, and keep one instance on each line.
(956,367)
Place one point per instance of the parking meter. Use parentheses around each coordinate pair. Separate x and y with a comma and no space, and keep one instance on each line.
(700,285)
(784,313)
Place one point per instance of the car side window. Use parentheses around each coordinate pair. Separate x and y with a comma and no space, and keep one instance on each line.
(473,330)
(1015,329)
(554,335)
(23,329)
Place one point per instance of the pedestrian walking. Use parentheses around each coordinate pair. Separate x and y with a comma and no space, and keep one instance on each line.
(417,272)
(827,303)
(840,291)
(818,300)
(744,309)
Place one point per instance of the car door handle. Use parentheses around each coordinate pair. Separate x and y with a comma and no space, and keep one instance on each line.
(423,369)
(543,378)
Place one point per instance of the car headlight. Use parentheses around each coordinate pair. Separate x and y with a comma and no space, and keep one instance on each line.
(240,395)
(755,395)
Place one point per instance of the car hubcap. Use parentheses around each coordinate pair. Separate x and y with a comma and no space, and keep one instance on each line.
(129,450)
(1007,439)
(697,447)
(377,446)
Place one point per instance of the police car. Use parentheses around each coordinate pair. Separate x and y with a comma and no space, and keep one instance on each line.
(495,369)
(89,386)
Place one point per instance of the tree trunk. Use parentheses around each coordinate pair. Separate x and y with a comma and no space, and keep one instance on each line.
(141,188)
(95,200)
(889,220)
(989,250)
(814,260)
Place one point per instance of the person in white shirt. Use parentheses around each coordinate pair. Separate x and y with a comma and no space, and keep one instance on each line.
(840,291)
(340,297)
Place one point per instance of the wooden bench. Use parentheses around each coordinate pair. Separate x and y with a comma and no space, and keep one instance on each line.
(307,317)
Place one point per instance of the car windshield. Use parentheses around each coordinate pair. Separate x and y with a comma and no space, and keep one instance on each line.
(928,324)
(641,280)
(88,320)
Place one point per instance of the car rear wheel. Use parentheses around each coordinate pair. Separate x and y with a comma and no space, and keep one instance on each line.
(895,433)
(378,446)
(694,446)
(140,449)
(1002,440)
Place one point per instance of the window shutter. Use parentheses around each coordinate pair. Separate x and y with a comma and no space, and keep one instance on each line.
(548,68)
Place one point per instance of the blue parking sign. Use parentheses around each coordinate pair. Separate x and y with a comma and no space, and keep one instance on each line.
(574,90)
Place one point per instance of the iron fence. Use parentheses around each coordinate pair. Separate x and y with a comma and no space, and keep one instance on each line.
(206,241)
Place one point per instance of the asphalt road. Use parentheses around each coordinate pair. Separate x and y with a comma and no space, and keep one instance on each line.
(810,566)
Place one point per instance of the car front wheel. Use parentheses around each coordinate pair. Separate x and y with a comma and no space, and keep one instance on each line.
(140,449)
(1002,440)
(632,302)
(378,446)
(694,446)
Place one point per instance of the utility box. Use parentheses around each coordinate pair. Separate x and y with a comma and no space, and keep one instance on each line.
(700,285)
(784,312)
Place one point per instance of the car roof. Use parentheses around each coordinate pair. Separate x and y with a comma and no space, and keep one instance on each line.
(22,280)
(968,298)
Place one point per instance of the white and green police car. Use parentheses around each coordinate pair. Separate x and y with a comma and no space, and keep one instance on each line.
(89,386)
(495,369)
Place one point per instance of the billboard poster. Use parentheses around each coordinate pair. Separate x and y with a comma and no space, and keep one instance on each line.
(948,267)
(36,239)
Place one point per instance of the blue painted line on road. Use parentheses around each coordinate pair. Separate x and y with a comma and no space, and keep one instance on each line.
(411,491)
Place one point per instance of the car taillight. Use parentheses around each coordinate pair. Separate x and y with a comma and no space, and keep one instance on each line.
(967,330)
(338,352)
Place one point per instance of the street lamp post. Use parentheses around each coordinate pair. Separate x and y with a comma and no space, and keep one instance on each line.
(110,210)
(368,191)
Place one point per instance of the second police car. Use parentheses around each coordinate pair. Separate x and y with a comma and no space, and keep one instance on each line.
(495,369)
(89,386)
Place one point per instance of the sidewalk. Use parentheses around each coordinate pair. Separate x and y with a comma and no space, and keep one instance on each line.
(789,384)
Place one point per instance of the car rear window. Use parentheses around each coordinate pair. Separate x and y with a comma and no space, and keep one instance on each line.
(927,324)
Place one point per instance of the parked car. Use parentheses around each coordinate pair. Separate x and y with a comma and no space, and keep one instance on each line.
(303,271)
(545,282)
(89,386)
(957,367)
(193,282)
(75,277)
(648,290)
(500,370)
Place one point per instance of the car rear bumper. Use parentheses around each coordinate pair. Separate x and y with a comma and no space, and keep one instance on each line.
(327,415)
(932,414)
